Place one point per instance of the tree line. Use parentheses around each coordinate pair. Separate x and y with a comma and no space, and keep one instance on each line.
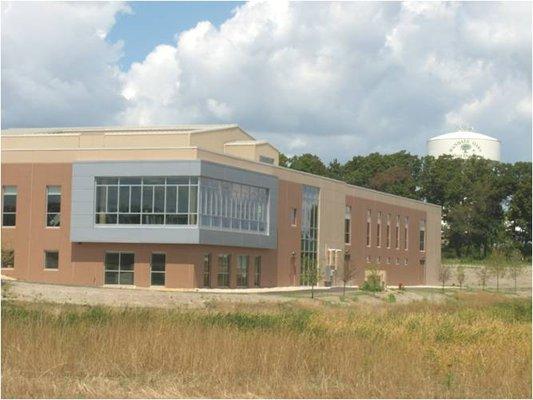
(486,205)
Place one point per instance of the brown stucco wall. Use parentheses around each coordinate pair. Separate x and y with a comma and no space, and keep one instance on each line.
(411,274)
(290,196)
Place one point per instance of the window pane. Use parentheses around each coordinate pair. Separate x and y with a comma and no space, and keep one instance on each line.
(10,203)
(107,181)
(183,199)
(135,199)
(124,199)
(8,219)
(130,181)
(126,261)
(126,278)
(129,219)
(112,198)
(153,219)
(158,262)
(148,193)
(111,278)
(158,279)
(159,199)
(51,259)
(100,198)
(111,261)
(193,199)
(53,219)
(171,199)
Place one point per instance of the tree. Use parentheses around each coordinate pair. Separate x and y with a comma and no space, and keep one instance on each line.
(444,274)
(497,264)
(518,214)
(283,160)
(515,267)
(311,274)
(8,258)
(348,273)
(460,274)
(483,274)
(308,163)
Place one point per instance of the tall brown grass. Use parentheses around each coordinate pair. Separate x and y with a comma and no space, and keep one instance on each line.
(470,347)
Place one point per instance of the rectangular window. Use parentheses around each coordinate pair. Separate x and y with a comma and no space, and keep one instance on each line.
(397,260)
(9,205)
(257,271)
(267,160)
(51,259)
(368,227)
(347,224)
(388,260)
(405,261)
(233,206)
(397,232)
(379,260)
(8,258)
(378,231)
(309,234)
(406,233)
(119,268)
(422,235)
(223,270)
(53,205)
(146,200)
(242,271)
(158,267)
(368,259)
(293,216)
(388,231)
(207,270)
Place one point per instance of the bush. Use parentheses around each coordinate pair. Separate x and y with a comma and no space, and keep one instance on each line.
(372,283)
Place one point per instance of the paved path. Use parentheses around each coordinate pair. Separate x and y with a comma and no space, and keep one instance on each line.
(131,297)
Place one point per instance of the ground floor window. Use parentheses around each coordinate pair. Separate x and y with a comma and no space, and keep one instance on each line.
(8,258)
(51,259)
(242,271)
(223,270)
(119,268)
(257,271)
(207,270)
(158,264)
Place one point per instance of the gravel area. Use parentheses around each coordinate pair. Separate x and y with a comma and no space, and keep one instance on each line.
(134,297)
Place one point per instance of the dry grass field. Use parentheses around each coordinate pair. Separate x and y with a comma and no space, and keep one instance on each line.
(472,344)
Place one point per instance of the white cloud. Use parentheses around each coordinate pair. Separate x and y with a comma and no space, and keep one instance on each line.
(57,67)
(336,79)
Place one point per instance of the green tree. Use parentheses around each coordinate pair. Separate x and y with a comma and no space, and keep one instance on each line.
(444,274)
(483,274)
(460,275)
(518,213)
(308,163)
(497,264)
(283,160)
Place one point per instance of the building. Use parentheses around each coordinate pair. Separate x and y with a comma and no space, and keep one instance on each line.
(464,144)
(195,206)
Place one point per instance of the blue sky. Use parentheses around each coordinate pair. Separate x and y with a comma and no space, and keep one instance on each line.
(152,23)
(336,79)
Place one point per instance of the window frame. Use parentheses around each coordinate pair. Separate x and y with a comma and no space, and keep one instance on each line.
(368,228)
(257,271)
(207,257)
(119,270)
(294,216)
(227,273)
(45,267)
(152,272)
(13,213)
(348,225)
(47,212)
(422,235)
(243,274)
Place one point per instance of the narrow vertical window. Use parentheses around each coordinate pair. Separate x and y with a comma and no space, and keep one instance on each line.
(242,271)
(347,224)
(397,232)
(51,259)
(293,216)
(9,205)
(378,230)
(257,271)
(422,234)
(368,222)
(223,270)
(406,233)
(53,205)
(158,267)
(207,270)
(388,231)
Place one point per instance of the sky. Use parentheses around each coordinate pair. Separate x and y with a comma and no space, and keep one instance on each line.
(334,79)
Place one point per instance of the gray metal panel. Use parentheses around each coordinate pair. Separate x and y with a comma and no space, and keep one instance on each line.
(83,228)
